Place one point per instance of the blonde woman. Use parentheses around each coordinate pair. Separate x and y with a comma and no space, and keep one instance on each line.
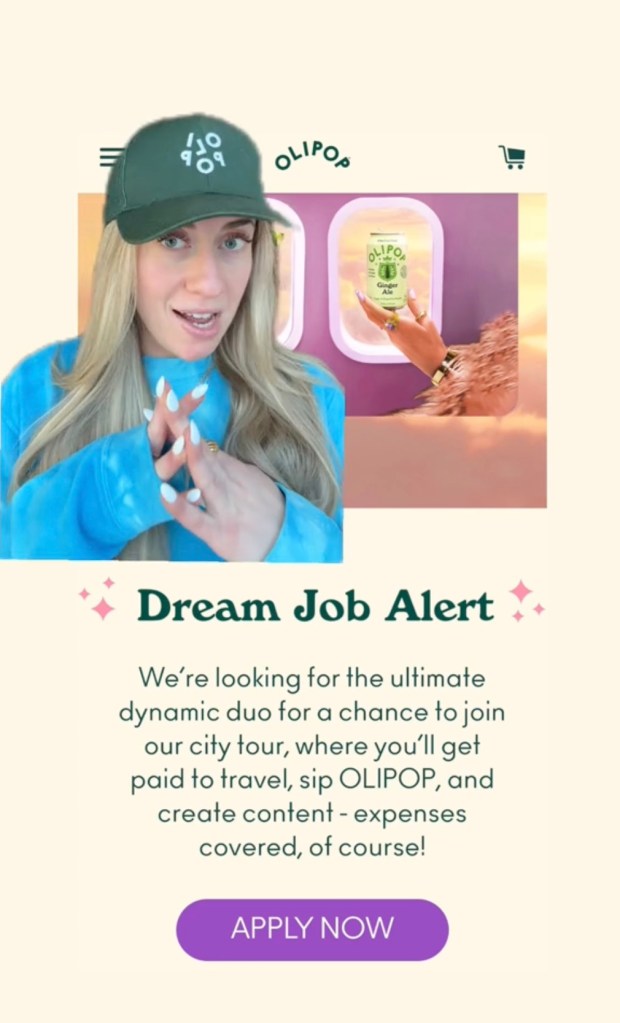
(176,427)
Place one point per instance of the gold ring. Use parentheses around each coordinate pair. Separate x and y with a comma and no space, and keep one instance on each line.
(212,446)
(392,322)
(421,316)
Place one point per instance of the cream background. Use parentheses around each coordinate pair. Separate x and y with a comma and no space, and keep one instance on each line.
(537,77)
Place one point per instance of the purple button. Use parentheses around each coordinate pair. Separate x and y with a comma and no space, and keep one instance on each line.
(312,929)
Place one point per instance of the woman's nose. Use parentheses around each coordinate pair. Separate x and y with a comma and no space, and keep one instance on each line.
(203,275)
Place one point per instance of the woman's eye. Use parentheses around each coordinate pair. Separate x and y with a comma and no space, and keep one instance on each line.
(234,243)
(172,241)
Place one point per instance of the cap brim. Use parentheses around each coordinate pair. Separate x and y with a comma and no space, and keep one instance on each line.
(150,222)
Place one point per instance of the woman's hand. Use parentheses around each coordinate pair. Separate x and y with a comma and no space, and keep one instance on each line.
(417,338)
(167,424)
(234,507)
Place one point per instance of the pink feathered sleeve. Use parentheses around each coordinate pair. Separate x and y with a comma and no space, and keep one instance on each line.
(484,381)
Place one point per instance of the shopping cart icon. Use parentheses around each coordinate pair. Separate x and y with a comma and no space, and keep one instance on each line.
(514,157)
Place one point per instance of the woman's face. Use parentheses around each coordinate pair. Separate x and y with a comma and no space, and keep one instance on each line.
(189,286)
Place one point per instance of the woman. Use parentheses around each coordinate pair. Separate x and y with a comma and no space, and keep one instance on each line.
(177,427)
(468,380)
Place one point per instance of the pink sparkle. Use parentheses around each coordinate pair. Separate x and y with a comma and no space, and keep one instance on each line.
(521,590)
(517,616)
(539,609)
(84,594)
(102,608)
(109,582)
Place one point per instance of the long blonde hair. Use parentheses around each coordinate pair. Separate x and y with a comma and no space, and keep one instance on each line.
(274,424)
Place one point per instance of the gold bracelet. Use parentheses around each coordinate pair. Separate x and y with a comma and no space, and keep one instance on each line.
(446,366)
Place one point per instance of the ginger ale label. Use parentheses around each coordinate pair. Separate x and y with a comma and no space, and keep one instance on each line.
(386,262)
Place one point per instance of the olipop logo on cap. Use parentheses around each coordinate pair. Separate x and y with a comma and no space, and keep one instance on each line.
(206,152)
(181,170)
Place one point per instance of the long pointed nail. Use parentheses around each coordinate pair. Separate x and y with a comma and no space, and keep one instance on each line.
(412,293)
(172,402)
(168,493)
(193,496)
(194,432)
(159,390)
(360,295)
(148,414)
(199,390)
(178,445)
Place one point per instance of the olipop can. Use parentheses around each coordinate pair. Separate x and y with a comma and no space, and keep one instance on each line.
(386,263)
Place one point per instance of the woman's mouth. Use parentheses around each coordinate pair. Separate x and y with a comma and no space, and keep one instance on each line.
(205,324)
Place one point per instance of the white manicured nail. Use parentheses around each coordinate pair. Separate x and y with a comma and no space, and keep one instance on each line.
(159,390)
(412,293)
(148,414)
(168,493)
(172,402)
(194,433)
(178,445)
(199,390)
(193,496)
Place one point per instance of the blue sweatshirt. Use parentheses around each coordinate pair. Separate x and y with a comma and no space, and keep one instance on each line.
(99,499)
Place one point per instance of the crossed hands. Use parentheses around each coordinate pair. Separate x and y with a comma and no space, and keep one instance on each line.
(233,507)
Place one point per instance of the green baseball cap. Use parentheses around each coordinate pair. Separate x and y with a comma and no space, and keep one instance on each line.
(183,169)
